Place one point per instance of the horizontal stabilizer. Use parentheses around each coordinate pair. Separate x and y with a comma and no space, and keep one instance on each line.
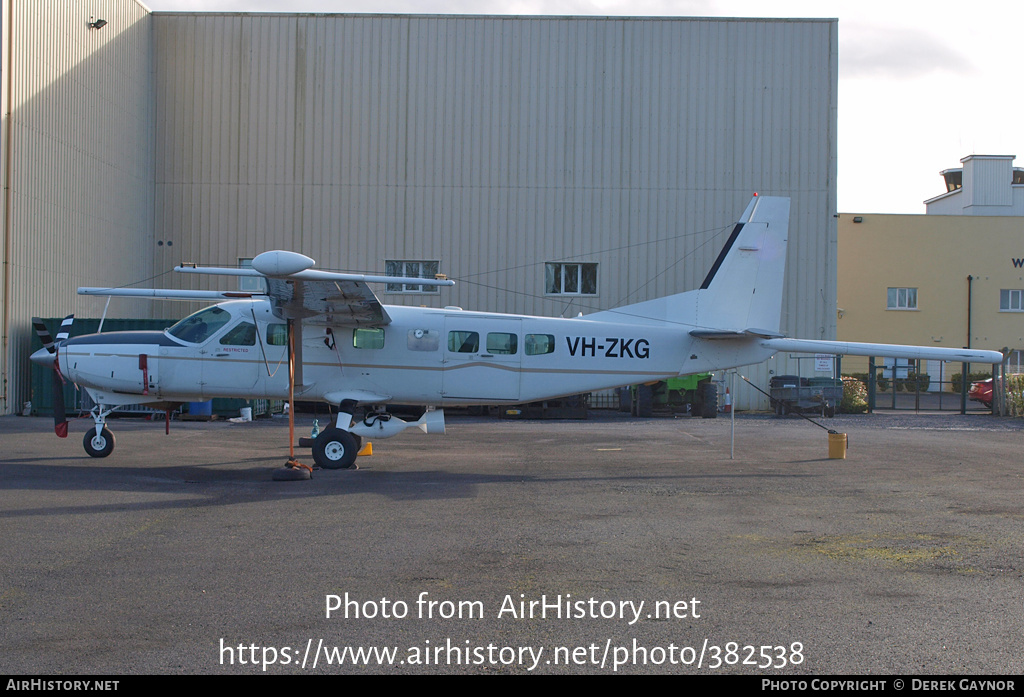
(847,348)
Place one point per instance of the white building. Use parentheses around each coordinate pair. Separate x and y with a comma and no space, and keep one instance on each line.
(985,185)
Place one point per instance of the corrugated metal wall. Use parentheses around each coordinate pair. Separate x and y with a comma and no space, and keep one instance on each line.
(492,144)
(79,144)
(495,144)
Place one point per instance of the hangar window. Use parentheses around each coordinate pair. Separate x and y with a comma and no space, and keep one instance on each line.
(902,299)
(570,279)
(250,284)
(463,342)
(411,269)
(368,338)
(1011,300)
(539,344)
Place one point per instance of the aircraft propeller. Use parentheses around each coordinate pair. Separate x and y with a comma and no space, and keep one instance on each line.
(50,346)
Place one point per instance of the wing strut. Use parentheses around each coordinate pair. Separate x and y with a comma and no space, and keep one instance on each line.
(293,469)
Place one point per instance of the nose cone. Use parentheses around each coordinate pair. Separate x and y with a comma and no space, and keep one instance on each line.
(43,357)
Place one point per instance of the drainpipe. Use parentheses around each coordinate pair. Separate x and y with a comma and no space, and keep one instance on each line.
(8,164)
(965,370)
(969,291)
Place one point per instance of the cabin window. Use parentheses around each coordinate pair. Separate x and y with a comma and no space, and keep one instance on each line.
(463,342)
(570,279)
(277,335)
(372,338)
(242,335)
(411,269)
(424,339)
(201,325)
(902,299)
(1011,300)
(502,343)
(539,344)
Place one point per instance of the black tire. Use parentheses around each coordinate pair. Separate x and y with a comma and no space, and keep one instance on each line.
(709,408)
(644,401)
(98,446)
(335,449)
(291,474)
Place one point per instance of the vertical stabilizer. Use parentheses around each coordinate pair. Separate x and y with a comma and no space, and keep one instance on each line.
(742,290)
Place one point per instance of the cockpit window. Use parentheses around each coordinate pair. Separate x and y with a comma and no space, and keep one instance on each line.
(200,326)
(242,335)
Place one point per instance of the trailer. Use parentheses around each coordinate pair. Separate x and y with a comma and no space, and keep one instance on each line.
(793,394)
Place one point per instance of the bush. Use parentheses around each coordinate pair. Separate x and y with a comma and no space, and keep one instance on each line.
(1015,395)
(957,379)
(855,396)
(913,382)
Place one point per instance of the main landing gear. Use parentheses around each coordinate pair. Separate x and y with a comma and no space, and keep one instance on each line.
(336,449)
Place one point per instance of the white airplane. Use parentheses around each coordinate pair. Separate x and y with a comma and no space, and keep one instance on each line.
(353,352)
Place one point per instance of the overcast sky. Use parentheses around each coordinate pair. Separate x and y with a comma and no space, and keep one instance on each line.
(921,84)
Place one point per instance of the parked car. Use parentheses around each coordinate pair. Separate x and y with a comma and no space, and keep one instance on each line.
(981,391)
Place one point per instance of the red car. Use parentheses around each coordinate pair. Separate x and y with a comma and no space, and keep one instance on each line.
(981,391)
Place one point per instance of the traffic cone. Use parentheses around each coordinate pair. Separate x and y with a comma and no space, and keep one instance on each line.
(728,401)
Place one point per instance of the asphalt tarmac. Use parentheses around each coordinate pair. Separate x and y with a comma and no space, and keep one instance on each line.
(600,546)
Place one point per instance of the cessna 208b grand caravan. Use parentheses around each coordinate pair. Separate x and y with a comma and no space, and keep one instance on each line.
(351,351)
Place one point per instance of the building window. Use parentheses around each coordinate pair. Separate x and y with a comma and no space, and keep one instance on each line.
(902,299)
(1011,300)
(250,284)
(570,279)
(411,269)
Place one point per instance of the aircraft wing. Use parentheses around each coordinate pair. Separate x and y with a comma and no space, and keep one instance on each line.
(847,348)
(169,294)
(327,298)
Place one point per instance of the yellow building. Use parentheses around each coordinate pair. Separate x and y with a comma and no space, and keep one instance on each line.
(941,280)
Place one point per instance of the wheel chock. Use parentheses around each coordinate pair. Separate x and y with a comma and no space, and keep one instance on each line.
(367,449)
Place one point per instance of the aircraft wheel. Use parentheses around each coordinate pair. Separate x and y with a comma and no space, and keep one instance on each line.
(335,449)
(101,445)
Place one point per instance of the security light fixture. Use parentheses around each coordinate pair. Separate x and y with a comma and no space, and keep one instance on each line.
(98,24)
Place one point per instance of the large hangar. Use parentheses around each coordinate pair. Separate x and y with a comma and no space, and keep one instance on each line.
(551,165)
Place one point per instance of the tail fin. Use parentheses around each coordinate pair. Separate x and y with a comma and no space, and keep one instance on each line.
(742,292)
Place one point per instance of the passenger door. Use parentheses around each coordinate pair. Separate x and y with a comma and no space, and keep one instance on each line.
(482,359)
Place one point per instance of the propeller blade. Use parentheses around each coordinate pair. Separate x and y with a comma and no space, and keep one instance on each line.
(44,334)
(60,421)
(65,328)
